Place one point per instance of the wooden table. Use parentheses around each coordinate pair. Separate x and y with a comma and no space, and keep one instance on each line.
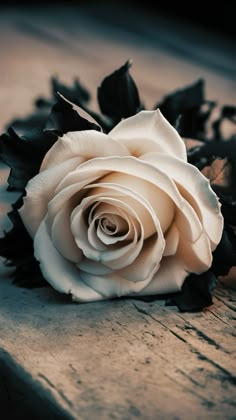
(121,359)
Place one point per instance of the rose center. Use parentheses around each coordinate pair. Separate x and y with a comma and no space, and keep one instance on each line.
(112,224)
(108,226)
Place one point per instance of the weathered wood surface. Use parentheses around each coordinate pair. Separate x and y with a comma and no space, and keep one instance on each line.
(122,359)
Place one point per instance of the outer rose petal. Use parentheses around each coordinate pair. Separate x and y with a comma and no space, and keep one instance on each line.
(196,189)
(90,266)
(197,256)
(59,272)
(40,190)
(86,144)
(149,131)
(63,157)
(168,279)
(112,285)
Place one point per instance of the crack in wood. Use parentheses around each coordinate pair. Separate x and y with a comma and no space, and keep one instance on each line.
(228,376)
(202,335)
(203,400)
(218,317)
(190,378)
(59,391)
(142,311)
(232,307)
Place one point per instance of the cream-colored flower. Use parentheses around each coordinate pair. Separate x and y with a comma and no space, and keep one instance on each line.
(121,214)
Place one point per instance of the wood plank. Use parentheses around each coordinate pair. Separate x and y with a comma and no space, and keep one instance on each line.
(118,358)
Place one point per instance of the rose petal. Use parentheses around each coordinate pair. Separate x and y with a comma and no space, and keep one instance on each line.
(196,256)
(93,239)
(91,267)
(114,258)
(172,241)
(188,222)
(110,228)
(62,237)
(59,272)
(146,191)
(138,270)
(168,279)
(106,237)
(86,144)
(149,131)
(112,285)
(146,264)
(195,187)
(40,190)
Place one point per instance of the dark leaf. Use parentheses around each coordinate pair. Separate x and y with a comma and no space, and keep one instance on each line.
(224,257)
(193,121)
(24,126)
(17,249)
(185,102)
(24,154)
(228,207)
(211,150)
(229,111)
(196,293)
(221,125)
(28,274)
(16,244)
(118,95)
(66,116)
(77,93)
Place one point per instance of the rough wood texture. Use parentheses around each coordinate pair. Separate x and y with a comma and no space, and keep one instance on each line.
(123,359)
(120,359)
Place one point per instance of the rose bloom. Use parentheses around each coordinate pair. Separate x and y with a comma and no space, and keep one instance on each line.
(121,214)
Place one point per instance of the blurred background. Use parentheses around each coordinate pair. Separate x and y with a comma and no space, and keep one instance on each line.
(218,17)
(171,45)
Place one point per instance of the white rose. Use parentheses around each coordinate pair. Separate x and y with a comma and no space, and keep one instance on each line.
(121,214)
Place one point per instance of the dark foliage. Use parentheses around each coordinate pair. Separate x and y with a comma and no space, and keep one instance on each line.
(66,117)
(196,292)
(118,95)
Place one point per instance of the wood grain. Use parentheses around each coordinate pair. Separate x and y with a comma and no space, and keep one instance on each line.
(123,358)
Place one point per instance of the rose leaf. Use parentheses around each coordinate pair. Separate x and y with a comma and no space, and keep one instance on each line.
(77,93)
(16,243)
(224,256)
(228,208)
(196,292)
(16,246)
(182,101)
(24,154)
(66,116)
(118,95)
(28,274)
